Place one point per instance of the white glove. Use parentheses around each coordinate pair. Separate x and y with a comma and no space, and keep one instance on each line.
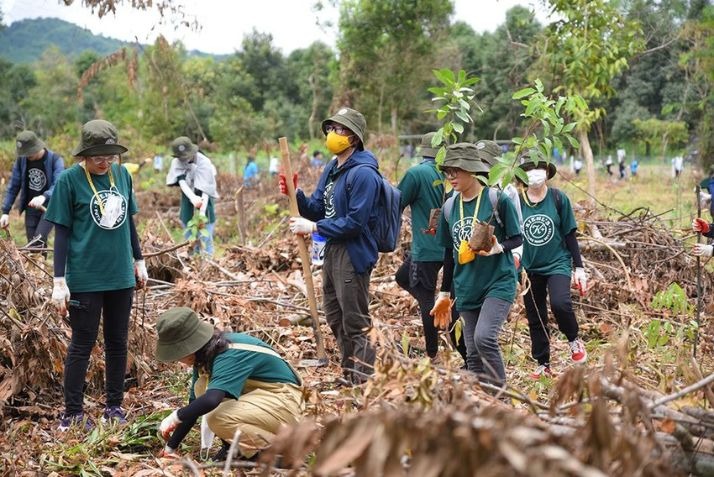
(207,434)
(60,294)
(4,221)
(37,201)
(704,198)
(302,226)
(168,425)
(702,250)
(140,272)
(581,279)
(496,248)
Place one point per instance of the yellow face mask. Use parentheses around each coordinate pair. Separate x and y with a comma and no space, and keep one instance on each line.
(336,143)
(466,254)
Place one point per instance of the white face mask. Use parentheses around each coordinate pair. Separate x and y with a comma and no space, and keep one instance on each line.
(536,177)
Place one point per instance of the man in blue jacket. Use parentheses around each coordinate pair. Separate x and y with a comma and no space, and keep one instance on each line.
(33,177)
(343,210)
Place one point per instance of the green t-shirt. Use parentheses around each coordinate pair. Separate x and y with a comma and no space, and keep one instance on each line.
(544,231)
(421,195)
(99,256)
(493,276)
(233,367)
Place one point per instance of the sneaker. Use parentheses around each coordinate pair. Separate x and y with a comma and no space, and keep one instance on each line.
(577,348)
(75,420)
(222,453)
(542,371)
(114,415)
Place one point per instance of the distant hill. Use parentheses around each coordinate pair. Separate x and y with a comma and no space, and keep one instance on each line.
(25,41)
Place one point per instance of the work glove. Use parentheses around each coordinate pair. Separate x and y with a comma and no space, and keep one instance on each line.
(169,453)
(168,425)
(442,311)
(60,295)
(700,225)
(196,201)
(581,280)
(282,182)
(517,254)
(4,221)
(37,202)
(702,250)
(140,273)
(302,226)
(496,248)
(704,198)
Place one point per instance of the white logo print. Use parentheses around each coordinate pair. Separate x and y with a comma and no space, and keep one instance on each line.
(538,229)
(329,200)
(462,230)
(36,179)
(119,212)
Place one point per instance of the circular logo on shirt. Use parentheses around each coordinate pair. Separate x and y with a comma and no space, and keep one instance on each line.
(538,229)
(116,214)
(462,230)
(36,179)
(329,200)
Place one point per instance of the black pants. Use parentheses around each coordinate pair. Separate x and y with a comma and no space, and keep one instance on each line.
(557,287)
(35,224)
(419,279)
(84,318)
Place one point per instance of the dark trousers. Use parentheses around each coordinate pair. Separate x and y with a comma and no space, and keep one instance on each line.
(481,329)
(419,279)
(36,225)
(84,318)
(346,306)
(557,287)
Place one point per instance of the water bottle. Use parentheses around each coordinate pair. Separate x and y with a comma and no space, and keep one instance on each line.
(317,257)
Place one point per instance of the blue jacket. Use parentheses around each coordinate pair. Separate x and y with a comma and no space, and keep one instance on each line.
(355,207)
(53,168)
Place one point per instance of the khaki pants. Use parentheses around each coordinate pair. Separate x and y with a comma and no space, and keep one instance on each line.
(258,413)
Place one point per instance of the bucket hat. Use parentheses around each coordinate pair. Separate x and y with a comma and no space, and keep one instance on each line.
(349,118)
(464,155)
(488,151)
(427,150)
(98,138)
(528,164)
(181,333)
(183,148)
(28,144)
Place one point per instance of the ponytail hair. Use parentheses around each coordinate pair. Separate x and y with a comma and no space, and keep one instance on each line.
(208,352)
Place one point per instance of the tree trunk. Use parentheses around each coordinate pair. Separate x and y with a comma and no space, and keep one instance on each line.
(589,164)
(313,110)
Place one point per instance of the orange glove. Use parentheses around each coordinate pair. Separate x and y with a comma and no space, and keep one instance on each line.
(282,182)
(700,225)
(442,311)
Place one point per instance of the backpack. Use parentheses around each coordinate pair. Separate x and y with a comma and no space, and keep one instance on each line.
(386,230)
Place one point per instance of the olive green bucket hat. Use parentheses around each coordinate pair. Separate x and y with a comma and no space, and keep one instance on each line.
(181,333)
(28,144)
(464,155)
(98,138)
(528,164)
(427,150)
(349,118)
(488,151)
(183,148)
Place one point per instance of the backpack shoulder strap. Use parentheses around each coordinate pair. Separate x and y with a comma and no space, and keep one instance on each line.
(558,196)
(448,207)
(264,350)
(493,195)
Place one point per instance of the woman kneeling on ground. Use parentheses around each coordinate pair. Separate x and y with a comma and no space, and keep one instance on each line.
(239,383)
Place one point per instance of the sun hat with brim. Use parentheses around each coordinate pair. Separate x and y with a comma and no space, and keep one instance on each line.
(529,164)
(349,118)
(464,155)
(183,148)
(181,333)
(488,151)
(99,138)
(28,144)
(426,149)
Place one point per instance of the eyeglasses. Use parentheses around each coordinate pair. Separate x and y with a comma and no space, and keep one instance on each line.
(103,159)
(337,129)
(450,172)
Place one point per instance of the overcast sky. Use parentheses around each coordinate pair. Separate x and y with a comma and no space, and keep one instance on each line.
(293,23)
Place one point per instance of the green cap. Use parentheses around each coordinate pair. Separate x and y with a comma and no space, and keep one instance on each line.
(98,138)
(183,148)
(464,155)
(181,333)
(488,151)
(349,118)
(427,150)
(28,144)
(528,164)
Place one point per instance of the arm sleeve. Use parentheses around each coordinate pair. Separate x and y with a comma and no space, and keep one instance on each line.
(710,234)
(571,242)
(512,242)
(190,414)
(12,188)
(60,249)
(448,273)
(186,190)
(134,236)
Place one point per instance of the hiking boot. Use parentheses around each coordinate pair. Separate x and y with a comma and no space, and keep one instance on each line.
(78,420)
(542,371)
(577,348)
(222,454)
(114,415)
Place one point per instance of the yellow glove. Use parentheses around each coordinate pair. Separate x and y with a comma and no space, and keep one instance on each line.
(442,311)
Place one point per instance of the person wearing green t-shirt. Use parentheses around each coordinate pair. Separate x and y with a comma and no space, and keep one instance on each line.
(239,384)
(423,192)
(550,251)
(195,174)
(97,264)
(484,280)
